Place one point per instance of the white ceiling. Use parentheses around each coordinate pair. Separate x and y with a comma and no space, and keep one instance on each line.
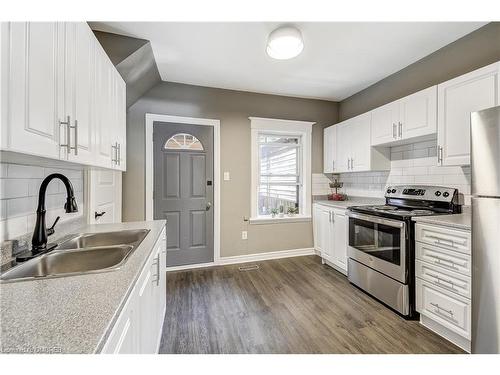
(338,60)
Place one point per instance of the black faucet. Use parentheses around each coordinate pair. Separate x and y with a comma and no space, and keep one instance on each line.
(40,234)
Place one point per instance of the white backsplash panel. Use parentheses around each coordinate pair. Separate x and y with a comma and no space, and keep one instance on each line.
(19,185)
(410,164)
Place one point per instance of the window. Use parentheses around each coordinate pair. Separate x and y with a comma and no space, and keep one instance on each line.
(281,168)
(183,141)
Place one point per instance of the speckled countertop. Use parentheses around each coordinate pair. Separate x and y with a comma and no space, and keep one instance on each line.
(458,221)
(71,314)
(352,201)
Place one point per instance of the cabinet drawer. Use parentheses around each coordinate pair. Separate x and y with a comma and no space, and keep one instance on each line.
(451,239)
(451,281)
(450,260)
(446,308)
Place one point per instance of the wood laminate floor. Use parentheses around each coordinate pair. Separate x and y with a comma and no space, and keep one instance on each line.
(293,305)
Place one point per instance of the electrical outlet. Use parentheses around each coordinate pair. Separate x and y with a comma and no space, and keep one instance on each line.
(244,235)
(227,176)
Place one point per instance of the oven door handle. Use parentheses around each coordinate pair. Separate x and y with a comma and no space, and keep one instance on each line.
(376,219)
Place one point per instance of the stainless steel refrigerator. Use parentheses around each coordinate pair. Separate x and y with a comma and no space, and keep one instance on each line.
(485,162)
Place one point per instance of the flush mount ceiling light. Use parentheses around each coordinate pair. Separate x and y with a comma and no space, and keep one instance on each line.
(284,43)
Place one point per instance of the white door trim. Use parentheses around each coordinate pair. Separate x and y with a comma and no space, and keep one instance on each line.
(150,119)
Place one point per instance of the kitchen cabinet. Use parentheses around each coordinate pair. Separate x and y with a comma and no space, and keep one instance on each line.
(35,78)
(443,281)
(65,98)
(329,149)
(354,151)
(330,236)
(457,98)
(138,328)
(407,119)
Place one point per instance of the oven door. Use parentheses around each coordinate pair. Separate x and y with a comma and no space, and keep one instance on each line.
(378,243)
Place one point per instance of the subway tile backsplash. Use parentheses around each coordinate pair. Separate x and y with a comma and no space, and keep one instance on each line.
(19,185)
(410,164)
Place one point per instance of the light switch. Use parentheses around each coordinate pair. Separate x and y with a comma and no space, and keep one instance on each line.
(226,176)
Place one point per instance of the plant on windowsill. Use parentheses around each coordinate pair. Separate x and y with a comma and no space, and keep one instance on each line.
(292,211)
(274,212)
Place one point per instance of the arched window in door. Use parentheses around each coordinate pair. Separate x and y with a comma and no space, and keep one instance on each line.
(183,141)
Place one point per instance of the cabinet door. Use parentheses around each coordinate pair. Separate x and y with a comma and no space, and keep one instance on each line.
(329,149)
(36,52)
(457,98)
(317,228)
(104,109)
(340,240)
(146,316)
(343,147)
(418,114)
(80,90)
(360,143)
(326,234)
(384,124)
(121,122)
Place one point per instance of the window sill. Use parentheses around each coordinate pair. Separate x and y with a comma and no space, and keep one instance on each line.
(279,220)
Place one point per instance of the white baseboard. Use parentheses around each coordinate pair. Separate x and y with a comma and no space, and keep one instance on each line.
(248,258)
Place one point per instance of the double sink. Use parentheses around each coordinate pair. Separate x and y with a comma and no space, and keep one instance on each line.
(80,254)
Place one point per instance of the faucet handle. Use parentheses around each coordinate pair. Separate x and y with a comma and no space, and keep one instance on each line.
(51,230)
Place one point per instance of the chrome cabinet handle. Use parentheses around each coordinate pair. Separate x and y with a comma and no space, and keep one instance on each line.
(68,136)
(440,279)
(157,264)
(440,154)
(394,130)
(352,164)
(348,160)
(114,158)
(439,259)
(119,153)
(333,165)
(400,129)
(441,309)
(75,127)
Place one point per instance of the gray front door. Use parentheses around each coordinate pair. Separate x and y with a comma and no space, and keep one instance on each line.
(183,190)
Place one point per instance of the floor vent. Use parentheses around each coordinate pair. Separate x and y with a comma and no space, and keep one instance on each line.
(249,268)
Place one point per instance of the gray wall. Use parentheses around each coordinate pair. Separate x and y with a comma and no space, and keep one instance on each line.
(475,50)
(232,108)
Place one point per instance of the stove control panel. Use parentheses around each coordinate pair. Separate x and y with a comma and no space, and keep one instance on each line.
(429,193)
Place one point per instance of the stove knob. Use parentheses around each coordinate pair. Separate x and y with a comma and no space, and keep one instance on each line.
(393,191)
(446,194)
(388,191)
(438,193)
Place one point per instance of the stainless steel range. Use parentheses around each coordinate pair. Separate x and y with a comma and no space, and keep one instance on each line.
(381,257)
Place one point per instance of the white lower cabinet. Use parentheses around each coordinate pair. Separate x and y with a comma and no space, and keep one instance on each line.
(138,329)
(330,236)
(443,282)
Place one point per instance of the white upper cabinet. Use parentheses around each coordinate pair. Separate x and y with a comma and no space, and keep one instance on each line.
(80,92)
(406,119)
(457,98)
(418,114)
(385,124)
(35,83)
(354,151)
(329,149)
(64,101)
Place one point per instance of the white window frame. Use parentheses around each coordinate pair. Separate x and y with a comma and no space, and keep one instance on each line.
(303,129)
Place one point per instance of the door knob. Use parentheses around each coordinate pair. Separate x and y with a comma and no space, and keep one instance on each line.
(207,207)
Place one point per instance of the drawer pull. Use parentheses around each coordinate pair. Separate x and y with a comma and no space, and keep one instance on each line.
(452,264)
(446,242)
(440,309)
(440,279)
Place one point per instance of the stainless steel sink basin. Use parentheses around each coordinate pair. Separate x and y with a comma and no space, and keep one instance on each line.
(70,262)
(104,239)
(81,254)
